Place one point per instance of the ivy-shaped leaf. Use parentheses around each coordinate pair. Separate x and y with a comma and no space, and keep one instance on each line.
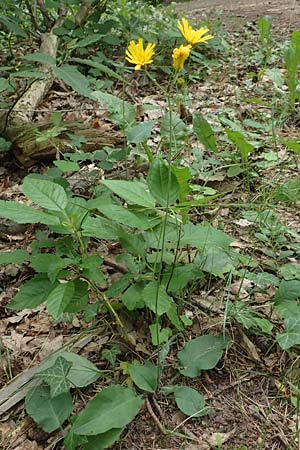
(56,376)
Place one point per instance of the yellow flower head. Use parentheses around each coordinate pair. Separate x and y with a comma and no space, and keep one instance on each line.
(136,54)
(193,36)
(179,56)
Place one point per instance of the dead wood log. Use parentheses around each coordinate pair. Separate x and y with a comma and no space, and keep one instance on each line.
(29,150)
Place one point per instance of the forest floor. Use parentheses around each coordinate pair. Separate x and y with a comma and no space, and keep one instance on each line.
(251,408)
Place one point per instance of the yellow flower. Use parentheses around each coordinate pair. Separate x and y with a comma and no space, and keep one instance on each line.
(136,54)
(179,56)
(193,36)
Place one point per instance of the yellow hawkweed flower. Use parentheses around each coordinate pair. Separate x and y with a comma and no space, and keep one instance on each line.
(136,54)
(193,36)
(179,56)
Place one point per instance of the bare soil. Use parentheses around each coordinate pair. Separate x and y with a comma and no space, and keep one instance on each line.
(285,13)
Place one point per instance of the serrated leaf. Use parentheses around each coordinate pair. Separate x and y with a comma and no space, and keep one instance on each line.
(45,193)
(13,257)
(32,293)
(72,77)
(24,214)
(114,407)
(59,298)
(49,413)
(100,227)
(156,298)
(140,133)
(133,192)
(56,376)
(202,353)
(162,182)
(12,26)
(82,371)
(144,376)
(205,237)
(121,112)
(204,132)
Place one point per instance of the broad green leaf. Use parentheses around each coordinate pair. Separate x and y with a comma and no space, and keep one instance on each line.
(91,39)
(173,128)
(287,290)
(104,440)
(41,262)
(291,336)
(159,335)
(80,298)
(67,166)
(100,227)
(32,293)
(99,441)
(248,319)
(140,133)
(121,112)
(177,278)
(100,67)
(133,192)
(205,237)
(82,371)
(114,407)
(45,193)
(162,182)
(183,175)
(4,85)
(190,402)
(59,298)
(144,376)
(124,216)
(156,298)
(202,353)
(133,242)
(13,257)
(204,132)
(49,413)
(215,261)
(24,214)
(133,297)
(238,139)
(72,77)
(43,58)
(288,271)
(56,376)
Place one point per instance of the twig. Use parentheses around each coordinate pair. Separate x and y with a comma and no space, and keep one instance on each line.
(154,417)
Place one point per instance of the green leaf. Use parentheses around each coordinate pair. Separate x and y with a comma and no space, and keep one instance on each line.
(144,376)
(32,293)
(49,413)
(140,133)
(82,371)
(291,336)
(174,128)
(133,192)
(67,166)
(189,401)
(99,441)
(156,298)
(56,376)
(121,215)
(72,77)
(13,257)
(287,290)
(133,297)
(204,132)
(59,298)
(114,407)
(100,228)
(43,58)
(240,142)
(202,353)
(100,67)
(162,182)
(24,214)
(121,112)
(159,335)
(91,39)
(45,193)
(12,26)
(205,237)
